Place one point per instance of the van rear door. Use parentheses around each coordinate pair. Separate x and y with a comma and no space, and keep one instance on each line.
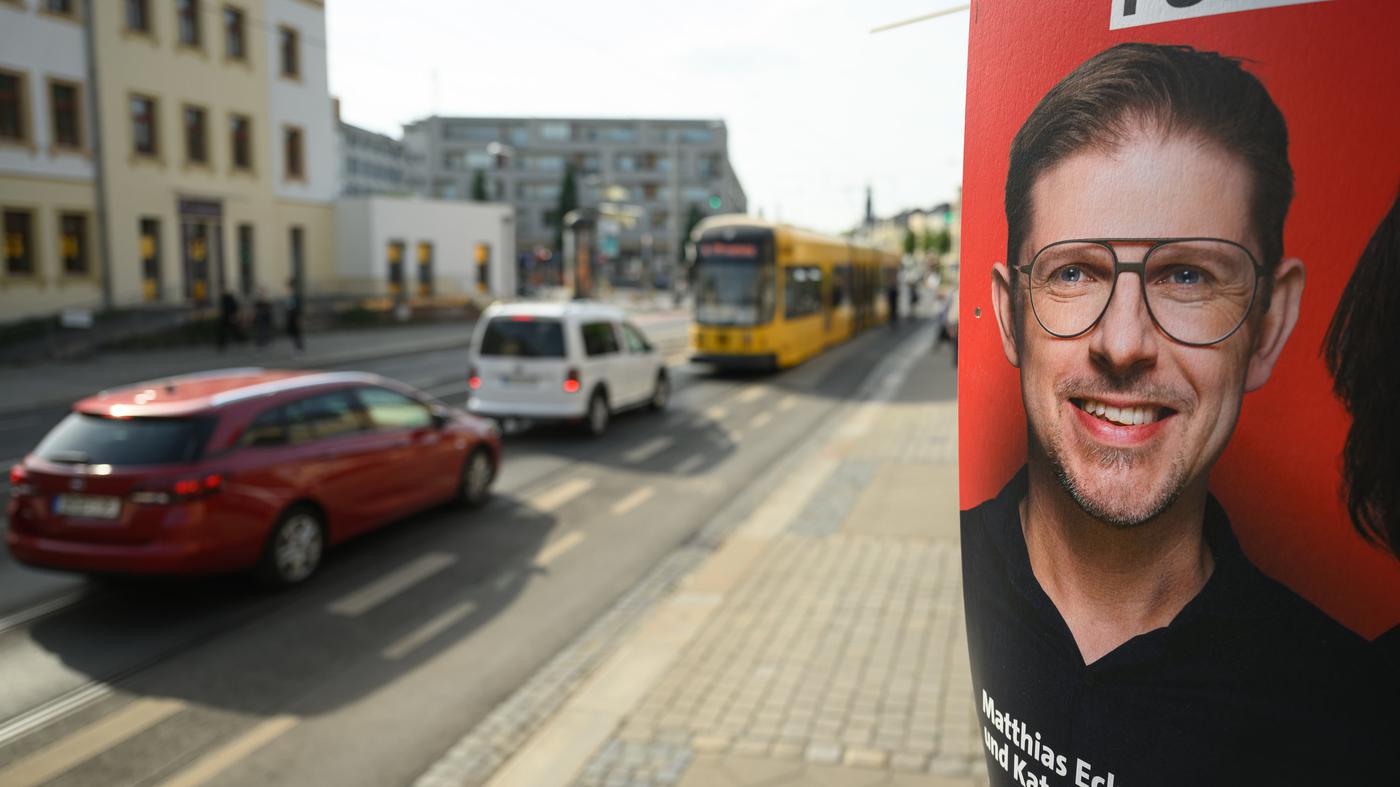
(521,358)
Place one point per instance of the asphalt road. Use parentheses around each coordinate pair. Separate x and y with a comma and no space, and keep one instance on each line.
(410,635)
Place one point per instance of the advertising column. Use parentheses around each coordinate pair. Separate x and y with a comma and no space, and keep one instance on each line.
(1179,406)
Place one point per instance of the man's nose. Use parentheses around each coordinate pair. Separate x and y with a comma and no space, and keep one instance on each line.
(1125,340)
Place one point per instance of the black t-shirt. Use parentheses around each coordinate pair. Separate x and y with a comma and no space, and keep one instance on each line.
(1249,684)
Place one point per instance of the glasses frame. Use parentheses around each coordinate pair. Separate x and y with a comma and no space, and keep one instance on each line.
(1140,268)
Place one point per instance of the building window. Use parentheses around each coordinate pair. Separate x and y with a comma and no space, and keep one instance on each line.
(67,115)
(288,41)
(196,136)
(240,134)
(235,44)
(60,7)
(72,244)
(19,243)
(187,12)
(295,166)
(144,141)
(138,16)
(14,126)
(150,259)
(555,132)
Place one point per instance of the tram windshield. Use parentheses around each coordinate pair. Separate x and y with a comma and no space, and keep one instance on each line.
(733,285)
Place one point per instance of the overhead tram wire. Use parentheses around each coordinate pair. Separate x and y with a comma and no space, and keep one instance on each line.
(923,18)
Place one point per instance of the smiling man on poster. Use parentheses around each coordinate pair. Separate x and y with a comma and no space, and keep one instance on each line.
(1118,635)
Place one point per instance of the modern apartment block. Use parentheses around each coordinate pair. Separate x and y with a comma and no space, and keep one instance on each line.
(211,152)
(662,167)
(370,163)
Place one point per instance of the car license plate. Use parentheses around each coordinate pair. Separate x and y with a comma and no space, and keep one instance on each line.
(89,506)
(520,379)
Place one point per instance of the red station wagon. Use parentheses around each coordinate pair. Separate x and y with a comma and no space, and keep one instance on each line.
(239,469)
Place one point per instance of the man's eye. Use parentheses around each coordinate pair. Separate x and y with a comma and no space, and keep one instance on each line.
(1185,276)
(1070,274)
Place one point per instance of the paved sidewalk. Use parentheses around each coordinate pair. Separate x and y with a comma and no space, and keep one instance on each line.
(821,644)
(52,383)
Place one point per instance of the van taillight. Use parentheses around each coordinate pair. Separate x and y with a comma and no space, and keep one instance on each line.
(181,491)
(473,379)
(572,382)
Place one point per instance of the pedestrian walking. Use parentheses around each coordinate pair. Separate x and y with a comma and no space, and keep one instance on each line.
(294,316)
(262,319)
(229,327)
(892,297)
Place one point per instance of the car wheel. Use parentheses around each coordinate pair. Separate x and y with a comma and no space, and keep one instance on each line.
(294,548)
(477,474)
(596,422)
(661,395)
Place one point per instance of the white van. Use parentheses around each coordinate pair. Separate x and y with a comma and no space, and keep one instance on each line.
(574,361)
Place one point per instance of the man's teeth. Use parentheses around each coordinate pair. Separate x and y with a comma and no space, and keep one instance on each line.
(1125,416)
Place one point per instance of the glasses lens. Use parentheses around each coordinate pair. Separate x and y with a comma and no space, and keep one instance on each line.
(1200,290)
(1070,283)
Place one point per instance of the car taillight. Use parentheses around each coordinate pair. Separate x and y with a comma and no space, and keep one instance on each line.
(182,491)
(19,481)
(473,379)
(572,382)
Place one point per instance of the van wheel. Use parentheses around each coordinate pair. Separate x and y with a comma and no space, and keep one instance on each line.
(661,395)
(596,422)
(478,472)
(294,548)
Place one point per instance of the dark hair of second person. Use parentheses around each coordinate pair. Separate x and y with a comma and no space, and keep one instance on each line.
(1363,353)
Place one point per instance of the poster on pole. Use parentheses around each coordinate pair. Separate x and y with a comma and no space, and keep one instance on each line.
(1179,396)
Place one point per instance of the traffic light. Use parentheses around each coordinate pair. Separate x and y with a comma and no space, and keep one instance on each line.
(715,202)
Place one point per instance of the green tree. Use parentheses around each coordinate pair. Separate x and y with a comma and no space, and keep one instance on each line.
(479,187)
(909,242)
(938,242)
(568,200)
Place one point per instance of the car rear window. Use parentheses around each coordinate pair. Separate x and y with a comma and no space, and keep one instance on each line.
(93,439)
(523,337)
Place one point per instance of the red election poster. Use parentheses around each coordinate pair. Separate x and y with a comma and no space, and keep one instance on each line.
(1178,567)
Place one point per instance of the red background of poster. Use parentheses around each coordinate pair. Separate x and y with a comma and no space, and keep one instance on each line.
(1331,67)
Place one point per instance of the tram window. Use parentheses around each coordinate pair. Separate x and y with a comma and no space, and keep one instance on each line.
(599,338)
(802,291)
(840,285)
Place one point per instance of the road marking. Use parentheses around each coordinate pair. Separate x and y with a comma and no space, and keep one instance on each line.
(691,464)
(426,632)
(555,498)
(716,413)
(648,449)
(29,721)
(390,585)
(787,403)
(633,500)
(40,610)
(90,741)
(760,419)
(751,393)
(503,581)
(207,768)
(556,550)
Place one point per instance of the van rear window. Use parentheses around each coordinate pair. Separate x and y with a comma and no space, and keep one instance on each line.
(515,337)
(93,439)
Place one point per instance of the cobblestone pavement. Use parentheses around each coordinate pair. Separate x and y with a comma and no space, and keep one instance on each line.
(840,658)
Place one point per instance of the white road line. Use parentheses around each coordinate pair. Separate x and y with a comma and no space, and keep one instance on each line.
(751,393)
(787,403)
(207,768)
(556,550)
(691,464)
(633,500)
(392,584)
(67,753)
(648,449)
(503,581)
(555,498)
(760,419)
(39,610)
(716,413)
(426,632)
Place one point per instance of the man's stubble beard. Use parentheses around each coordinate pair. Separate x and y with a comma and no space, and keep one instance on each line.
(1110,459)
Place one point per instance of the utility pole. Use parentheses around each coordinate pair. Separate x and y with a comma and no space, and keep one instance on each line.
(675,210)
(104,250)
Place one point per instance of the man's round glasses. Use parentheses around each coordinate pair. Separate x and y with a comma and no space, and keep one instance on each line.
(1198,291)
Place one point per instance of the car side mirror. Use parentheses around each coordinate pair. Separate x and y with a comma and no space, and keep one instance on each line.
(440,419)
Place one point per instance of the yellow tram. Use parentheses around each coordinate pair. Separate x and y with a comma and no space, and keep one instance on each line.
(771,296)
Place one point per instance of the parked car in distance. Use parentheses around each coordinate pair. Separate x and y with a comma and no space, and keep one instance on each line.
(574,361)
(239,469)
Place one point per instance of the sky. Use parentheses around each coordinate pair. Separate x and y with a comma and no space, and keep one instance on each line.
(817,106)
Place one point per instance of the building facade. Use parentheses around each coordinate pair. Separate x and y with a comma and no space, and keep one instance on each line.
(370,163)
(212,163)
(661,167)
(415,248)
(47,162)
